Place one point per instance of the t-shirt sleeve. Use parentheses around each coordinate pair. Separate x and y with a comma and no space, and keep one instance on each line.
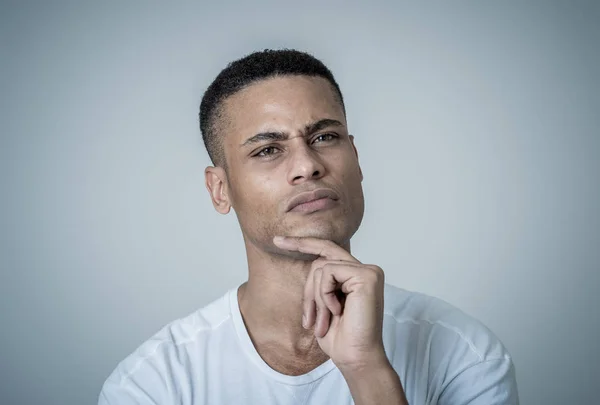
(147,385)
(113,394)
(487,382)
(129,393)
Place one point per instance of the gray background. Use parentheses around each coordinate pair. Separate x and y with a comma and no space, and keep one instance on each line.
(477,126)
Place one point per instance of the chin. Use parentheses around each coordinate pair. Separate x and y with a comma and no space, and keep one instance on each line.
(320,231)
(338,228)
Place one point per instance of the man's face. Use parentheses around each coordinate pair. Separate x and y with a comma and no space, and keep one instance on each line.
(282,137)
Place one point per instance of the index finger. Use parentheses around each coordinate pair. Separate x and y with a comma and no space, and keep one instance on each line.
(314,246)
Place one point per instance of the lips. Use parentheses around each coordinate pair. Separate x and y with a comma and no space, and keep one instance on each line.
(310,196)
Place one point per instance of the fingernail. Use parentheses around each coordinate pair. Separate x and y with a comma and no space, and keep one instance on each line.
(304,321)
(278,239)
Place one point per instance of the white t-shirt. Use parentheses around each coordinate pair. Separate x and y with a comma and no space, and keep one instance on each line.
(442,357)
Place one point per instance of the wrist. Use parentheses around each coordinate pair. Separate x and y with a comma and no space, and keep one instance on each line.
(366,370)
(368,363)
(376,384)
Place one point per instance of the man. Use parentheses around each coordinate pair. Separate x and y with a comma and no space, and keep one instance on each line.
(312,325)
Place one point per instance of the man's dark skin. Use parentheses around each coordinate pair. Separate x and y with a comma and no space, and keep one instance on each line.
(304,146)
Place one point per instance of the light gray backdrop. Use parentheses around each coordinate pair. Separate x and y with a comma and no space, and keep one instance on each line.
(477,125)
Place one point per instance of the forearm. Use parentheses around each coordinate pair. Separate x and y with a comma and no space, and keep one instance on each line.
(373,386)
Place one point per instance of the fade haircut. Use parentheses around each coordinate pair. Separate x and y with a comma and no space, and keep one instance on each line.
(244,72)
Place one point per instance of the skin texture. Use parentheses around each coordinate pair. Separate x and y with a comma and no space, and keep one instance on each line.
(309,274)
(260,188)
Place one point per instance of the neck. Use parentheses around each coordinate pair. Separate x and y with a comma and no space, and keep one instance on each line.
(271,301)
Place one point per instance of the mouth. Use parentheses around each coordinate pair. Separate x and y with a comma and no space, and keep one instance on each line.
(315,205)
(316,200)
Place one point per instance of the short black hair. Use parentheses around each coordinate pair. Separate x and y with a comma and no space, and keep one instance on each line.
(246,71)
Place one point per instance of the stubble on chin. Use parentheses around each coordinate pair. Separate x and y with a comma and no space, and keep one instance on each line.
(337,228)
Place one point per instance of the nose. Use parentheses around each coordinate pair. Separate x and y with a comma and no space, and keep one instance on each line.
(305,165)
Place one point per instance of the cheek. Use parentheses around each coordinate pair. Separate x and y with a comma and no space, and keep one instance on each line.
(352,183)
(349,168)
(259,194)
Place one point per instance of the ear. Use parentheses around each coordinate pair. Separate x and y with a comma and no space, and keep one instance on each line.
(356,153)
(217,186)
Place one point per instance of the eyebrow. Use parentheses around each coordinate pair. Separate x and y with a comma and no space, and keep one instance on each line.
(282,136)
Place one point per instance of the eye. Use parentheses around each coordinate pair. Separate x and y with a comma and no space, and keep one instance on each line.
(268,151)
(324,138)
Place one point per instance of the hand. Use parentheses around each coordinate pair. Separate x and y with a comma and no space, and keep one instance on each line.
(343,300)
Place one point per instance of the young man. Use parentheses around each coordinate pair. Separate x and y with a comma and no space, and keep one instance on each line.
(312,325)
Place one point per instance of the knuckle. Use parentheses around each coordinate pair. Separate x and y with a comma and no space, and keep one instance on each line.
(318,263)
(326,268)
(376,273)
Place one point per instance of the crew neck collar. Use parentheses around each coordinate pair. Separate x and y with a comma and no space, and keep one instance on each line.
(250,350)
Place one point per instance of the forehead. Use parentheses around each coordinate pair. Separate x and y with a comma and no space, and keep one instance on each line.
(286,103)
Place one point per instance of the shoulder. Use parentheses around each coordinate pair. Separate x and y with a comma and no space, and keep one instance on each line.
(442,322)
(458,357)
(152,366)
